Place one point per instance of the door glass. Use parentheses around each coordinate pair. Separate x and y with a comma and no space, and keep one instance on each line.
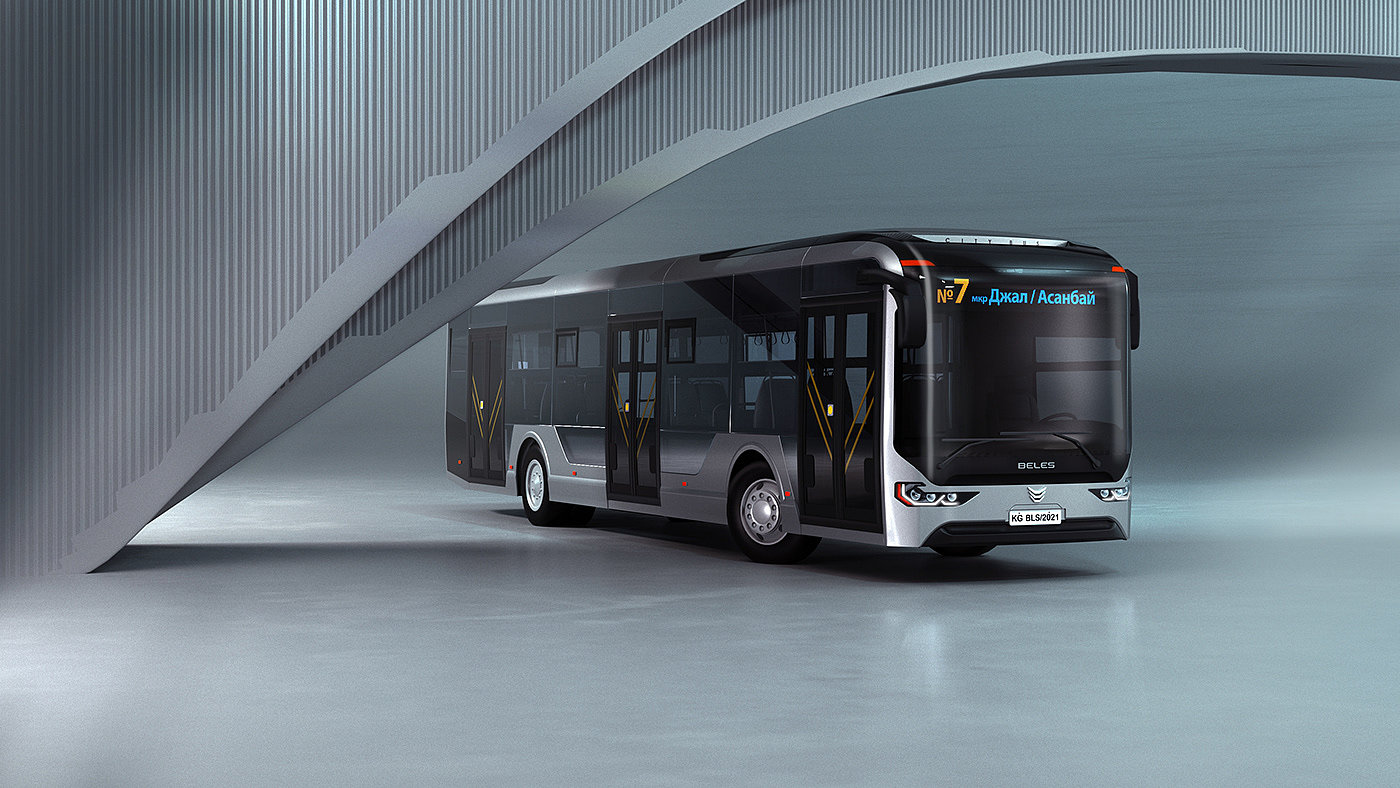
(620,436)
(859,483)
(856,335)
(646,395)
(644,445)
(647,344)
(622,397)
(820,435)
(624,346)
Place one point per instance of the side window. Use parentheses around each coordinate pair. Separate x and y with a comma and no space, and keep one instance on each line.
(529,359)
(566,347)
(766,369)
(680,341)
(457,369)
(580,382)
(695,376)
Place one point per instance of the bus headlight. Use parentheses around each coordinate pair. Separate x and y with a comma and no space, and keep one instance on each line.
(914,494)
(1111,494)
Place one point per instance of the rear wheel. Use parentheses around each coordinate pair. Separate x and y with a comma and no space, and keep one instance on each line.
(755,506)
(964,551)
(534,495)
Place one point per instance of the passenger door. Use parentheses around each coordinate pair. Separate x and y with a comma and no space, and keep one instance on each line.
(634,373)
(486,439)
(841,407)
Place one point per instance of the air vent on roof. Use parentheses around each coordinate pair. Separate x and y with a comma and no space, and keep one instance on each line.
(997,240)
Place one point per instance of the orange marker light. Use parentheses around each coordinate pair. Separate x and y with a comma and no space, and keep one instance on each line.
(1120,269)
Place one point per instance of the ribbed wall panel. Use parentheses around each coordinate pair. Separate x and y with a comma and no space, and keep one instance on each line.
(184,178)
(181,177)
(769,56)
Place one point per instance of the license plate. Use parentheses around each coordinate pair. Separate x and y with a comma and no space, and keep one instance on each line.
(1048,516)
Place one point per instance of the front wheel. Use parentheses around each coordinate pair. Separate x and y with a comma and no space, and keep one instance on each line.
(754,512)
(534,495)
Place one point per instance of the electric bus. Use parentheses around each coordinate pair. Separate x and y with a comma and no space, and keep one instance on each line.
(945,389)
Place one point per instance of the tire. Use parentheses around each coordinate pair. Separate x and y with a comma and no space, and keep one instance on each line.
(963,551)
(534,495)
(754,508)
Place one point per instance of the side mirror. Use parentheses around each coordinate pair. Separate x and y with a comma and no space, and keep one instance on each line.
(910,321)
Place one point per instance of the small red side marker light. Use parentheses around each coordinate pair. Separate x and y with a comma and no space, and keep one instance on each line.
(910,263)
(459,462)
(575,473)
(511,467)
(683,484)
(1120,269)
(787,494)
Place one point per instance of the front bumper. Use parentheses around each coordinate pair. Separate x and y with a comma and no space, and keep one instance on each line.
(995,532)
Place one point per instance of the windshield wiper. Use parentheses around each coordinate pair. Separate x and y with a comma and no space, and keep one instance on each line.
(970,443)
(1062,436)
(1008,436)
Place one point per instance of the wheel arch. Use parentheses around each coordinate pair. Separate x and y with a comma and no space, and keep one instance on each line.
(749,455)
(530,439)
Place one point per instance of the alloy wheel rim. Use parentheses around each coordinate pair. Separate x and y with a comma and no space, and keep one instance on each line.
(760,508)
(534,486)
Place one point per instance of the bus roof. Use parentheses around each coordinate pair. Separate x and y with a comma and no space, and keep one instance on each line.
(898,243)
(912,235)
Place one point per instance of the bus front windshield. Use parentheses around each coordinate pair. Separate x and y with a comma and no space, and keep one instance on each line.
(1023,375)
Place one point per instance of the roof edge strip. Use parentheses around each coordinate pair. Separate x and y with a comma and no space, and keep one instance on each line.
(928,235)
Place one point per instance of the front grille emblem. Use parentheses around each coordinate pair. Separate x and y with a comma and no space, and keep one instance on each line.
(1037,494)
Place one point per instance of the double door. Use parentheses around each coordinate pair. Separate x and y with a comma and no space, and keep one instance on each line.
(634,371)
(839,437)
(486,431)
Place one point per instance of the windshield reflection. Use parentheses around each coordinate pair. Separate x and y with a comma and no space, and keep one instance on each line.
(1018,375)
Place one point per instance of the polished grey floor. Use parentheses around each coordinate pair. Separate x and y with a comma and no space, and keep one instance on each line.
(336,627)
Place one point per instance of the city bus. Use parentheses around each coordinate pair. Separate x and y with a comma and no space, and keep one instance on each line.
(906,388)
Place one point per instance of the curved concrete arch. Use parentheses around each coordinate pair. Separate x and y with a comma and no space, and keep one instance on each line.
(410,226)
(45,524)
(684,108)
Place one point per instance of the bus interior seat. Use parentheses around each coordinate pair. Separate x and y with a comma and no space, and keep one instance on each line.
(711,402)
(514,400)
(526,397)
(568,399)
(773,406)
(580,397)
(696,403)
(684,407)
(543,403)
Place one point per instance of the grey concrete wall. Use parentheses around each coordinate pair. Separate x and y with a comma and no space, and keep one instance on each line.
(199,195)
(206,198)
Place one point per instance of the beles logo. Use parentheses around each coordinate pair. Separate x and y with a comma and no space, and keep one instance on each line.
(1036,466)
